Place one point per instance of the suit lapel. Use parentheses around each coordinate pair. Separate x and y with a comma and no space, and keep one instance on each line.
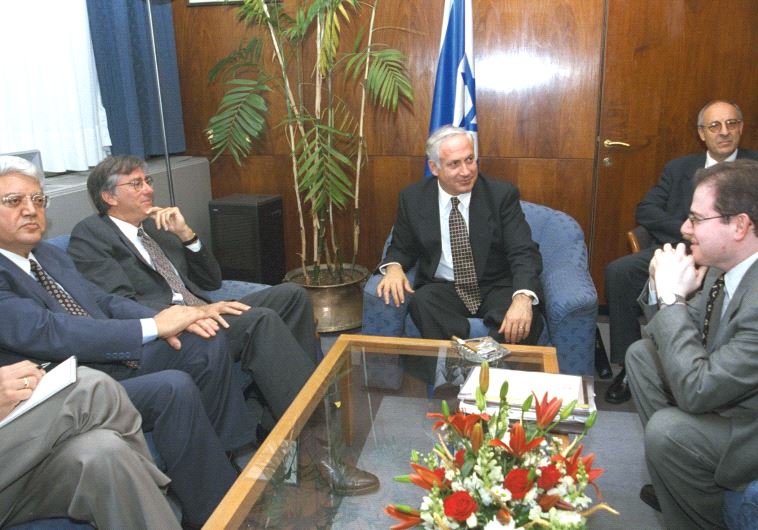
(722,332)
(125,240)
(479,230)
(429,209)
(67,278)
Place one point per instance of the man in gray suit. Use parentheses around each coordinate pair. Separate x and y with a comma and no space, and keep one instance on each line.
(151,255)
(694,380)
(79,454)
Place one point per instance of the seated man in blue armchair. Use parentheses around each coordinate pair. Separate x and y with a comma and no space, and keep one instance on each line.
(149,254)
(473,248)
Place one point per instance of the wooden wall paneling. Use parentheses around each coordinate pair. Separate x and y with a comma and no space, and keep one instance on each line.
(538,122)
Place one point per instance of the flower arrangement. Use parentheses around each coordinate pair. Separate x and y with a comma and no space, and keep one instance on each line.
(488,474)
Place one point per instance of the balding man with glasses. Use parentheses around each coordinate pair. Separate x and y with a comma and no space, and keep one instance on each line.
(662,212)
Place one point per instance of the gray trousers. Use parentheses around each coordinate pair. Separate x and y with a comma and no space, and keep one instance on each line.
(81,454)
(275,341)
(682,450)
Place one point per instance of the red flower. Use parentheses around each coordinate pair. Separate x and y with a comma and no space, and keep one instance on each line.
(546,410)
(426,478)
(549,477)
(460,421)
(518,483)
(460,505)
(518,445)
(407,515)
(572,466)
(460,455)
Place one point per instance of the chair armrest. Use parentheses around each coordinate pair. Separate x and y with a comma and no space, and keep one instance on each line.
(234,290)
(380,318)
(741,507)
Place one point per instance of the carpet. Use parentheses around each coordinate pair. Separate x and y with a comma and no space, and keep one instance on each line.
(401,425)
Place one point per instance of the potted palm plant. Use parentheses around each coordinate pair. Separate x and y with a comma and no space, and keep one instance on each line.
(326,141)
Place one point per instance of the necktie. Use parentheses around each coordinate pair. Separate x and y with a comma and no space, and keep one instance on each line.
(164,268)
(52,287)
(713,295)
(64,299)
(466,284)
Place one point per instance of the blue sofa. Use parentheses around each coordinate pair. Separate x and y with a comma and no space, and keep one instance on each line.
(570,300)
(230,290)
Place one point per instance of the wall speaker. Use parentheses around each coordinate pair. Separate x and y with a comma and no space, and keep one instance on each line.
(247,233)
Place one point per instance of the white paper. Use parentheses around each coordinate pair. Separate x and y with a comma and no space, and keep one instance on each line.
(51,383)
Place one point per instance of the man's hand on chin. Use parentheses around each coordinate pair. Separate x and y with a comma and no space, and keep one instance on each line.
(518,319)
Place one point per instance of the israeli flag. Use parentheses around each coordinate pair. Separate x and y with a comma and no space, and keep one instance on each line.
(454,88)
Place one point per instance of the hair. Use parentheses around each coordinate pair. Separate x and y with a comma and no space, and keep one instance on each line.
(735,185)
(104,177)
(16,164)
(713,102)
(439,136)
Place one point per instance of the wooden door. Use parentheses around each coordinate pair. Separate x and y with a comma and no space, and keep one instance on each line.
(663,60)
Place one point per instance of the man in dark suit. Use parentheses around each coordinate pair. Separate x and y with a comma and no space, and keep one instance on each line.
(79,454)
(661,212)
(182,386)
(506,262)
(694,380)
(271,332)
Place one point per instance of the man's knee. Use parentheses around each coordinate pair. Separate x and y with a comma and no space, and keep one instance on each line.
(663,434)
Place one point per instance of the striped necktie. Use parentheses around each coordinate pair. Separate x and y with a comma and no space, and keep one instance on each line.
(716,289)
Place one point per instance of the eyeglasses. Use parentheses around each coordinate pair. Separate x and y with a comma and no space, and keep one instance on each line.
(138,183)
(694,219)
(715,126)
(14,200)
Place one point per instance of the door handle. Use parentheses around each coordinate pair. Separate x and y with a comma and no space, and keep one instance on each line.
(612,143)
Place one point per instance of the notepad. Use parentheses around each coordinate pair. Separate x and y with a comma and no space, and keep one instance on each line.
(51,383)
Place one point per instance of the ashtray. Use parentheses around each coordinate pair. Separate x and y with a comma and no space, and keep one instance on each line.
(480,349)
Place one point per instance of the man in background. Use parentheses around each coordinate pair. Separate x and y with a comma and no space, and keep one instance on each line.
(662,212)
(694,380)
(79,454)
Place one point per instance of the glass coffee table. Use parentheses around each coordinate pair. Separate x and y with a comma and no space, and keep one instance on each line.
(375,429)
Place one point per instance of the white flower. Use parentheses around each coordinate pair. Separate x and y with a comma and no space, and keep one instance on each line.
(497,525)
(471,521)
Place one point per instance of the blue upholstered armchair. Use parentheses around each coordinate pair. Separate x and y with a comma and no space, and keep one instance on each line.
(230,290)
(570,299)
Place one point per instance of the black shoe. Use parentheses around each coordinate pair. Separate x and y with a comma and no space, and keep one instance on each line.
(619,391)
(648,496)
(602,366)
(345,479)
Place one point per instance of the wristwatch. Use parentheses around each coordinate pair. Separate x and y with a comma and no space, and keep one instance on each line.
(667,299)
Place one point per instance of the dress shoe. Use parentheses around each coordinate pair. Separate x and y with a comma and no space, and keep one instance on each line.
(345,479)
(602,366)
(648,496)
(619,391)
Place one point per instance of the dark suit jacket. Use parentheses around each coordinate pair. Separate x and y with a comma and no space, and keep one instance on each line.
(720,379)
(107,258)
(35,325)
(664,208)
(501,240)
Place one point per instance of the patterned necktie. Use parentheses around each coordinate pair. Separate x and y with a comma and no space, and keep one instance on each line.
(64,299)
(713,295)
(164,268)
(466,284)
(52,287)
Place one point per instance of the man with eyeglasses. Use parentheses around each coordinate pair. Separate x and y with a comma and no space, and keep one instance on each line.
(150,254)
(661,212)
(694,380)
(172,363)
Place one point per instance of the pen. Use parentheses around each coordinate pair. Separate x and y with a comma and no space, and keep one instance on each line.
(42,366)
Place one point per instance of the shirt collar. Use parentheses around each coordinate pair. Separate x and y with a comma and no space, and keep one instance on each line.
(710,161)
(128,229)
(21,261)
(733,278)
(444,198)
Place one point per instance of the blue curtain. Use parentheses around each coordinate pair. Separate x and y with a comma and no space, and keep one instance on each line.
(123,55)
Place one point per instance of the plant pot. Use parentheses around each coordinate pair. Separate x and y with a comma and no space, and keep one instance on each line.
(336,306)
